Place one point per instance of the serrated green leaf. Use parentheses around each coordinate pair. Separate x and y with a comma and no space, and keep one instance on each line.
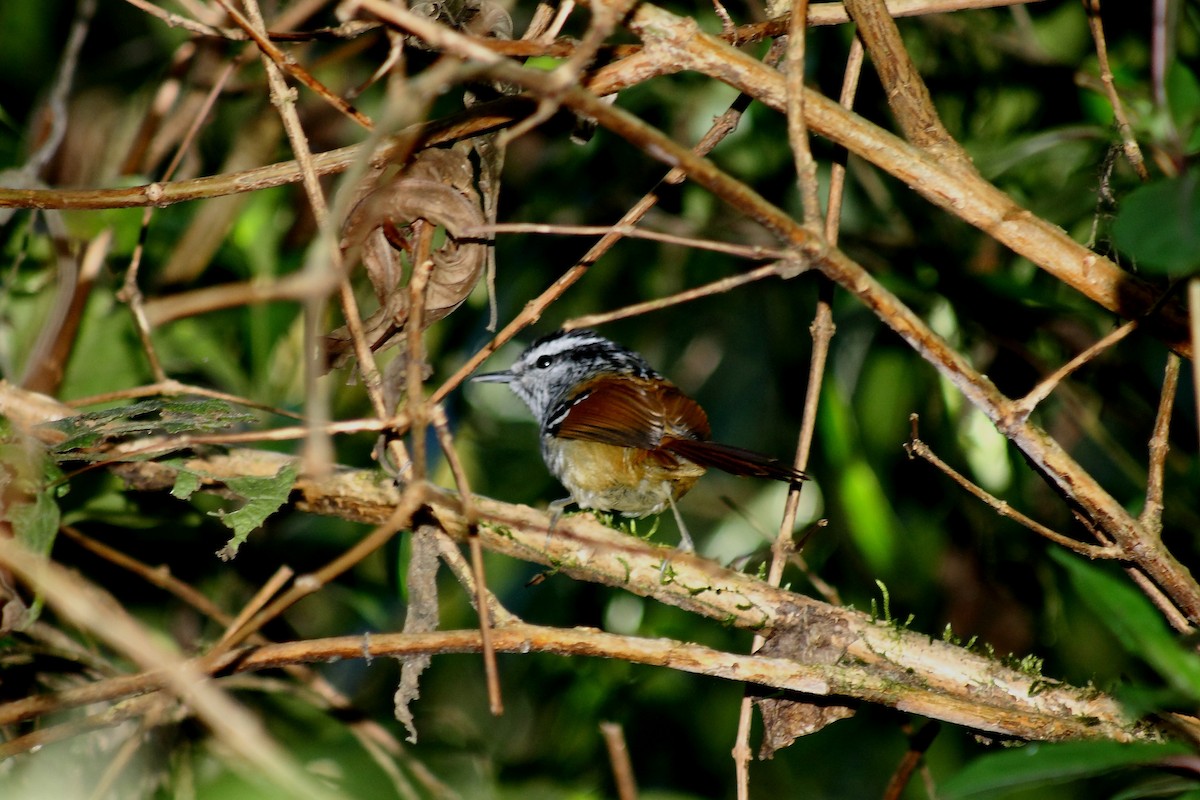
(1135,622)
(1035,765)
(160,416)
(264,496)
(1159,224)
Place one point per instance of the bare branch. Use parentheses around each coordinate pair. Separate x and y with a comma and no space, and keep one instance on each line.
(918,448)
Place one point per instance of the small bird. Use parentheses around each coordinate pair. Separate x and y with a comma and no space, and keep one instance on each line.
(618,435)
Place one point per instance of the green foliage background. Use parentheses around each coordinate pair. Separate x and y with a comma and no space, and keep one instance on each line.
(1018,88)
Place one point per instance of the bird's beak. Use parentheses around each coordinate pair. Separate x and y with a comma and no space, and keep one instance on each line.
(494,377)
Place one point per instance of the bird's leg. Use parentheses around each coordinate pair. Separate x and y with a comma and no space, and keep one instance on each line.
(556,511)
(685,539)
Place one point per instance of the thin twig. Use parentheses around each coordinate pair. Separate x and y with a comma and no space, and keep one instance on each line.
(186,23)
(779,270)
(721,128)
(479,579)
(94,610)
(378,741)
(319,453)
(918,448)
(1160,444)
(618,758)
(305,585)
(1029,402)
(298,286)
(837,177)
(292,16)
(131,294)
(265,592)
(1153,593)
(1162,48)
(565,9)
(630,232)
(1133,153)
(60,90)
(822,14)
(464,573)
(823,587)
(918,744)
(727,24)
(414,383)
(131,291)
(822,329)
(156,576)
(256,30)
(806,167)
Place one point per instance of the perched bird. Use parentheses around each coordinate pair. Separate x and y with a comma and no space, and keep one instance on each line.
(618,435)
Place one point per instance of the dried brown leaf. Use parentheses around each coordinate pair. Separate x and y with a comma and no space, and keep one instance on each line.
(438,187)
(808,640)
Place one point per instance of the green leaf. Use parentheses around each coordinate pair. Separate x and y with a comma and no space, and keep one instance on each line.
(1035,765)
(1176,787)
(868,511)
(1158,225)
(264,496)
(1135,622)
(187,483)
(160,416)
(1183,96)
(547,63)
(869,515)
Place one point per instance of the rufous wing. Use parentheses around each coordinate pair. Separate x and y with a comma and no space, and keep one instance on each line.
(630,412)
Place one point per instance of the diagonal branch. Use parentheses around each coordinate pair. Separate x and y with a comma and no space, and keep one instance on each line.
(918,449)
(679,45)
(906,93)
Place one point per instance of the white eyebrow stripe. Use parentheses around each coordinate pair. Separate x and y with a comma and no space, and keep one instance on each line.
(562,344)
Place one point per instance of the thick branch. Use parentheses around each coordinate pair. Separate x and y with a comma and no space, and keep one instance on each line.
(880,663)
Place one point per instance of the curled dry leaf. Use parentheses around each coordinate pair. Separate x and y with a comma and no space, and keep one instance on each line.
(438,187)
(808,640)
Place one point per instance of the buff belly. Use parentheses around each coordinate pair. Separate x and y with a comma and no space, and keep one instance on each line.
(627,480)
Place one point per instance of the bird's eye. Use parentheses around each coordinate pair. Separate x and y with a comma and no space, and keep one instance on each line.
(543,362)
